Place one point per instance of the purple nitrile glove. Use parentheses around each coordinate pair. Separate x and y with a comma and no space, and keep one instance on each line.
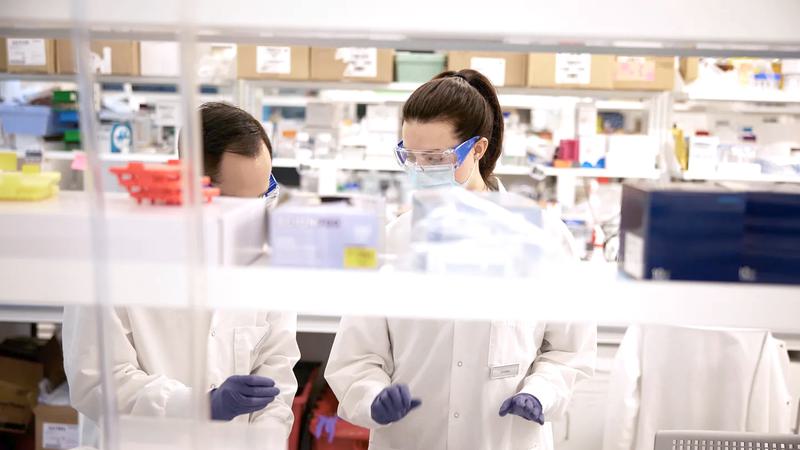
(392,404)
(524,405)
(242,394)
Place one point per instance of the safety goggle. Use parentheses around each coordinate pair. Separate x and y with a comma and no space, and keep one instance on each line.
(425,158)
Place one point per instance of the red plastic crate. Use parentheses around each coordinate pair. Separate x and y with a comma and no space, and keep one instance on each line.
(158,183)
(298,407)
(346,435)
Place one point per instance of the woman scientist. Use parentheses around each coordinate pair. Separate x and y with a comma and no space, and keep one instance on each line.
(250,355)
(435,385)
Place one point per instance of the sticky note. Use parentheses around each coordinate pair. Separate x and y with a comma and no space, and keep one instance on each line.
(8,161)
(79,162)
(360,258)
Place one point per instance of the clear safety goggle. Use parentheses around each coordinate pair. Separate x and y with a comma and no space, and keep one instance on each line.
(426,158)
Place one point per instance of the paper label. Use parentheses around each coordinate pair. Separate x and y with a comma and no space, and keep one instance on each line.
(26,52)
(360,62)
(101,63)
(634,255)
(632,68)
(360,258)
(167,114)
(274,60)
(492,68)
(159,58)
(573,68)
(59,436)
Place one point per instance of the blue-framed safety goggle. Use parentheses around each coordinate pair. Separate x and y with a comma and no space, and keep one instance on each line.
(421,158)
(272,189)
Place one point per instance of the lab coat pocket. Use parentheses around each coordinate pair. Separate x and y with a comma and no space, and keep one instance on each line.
(247,343)
(512,347)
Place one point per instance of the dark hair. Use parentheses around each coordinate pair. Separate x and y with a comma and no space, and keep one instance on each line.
(227,128)
(469,102)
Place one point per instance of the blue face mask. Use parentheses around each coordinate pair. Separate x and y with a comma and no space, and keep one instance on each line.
(441,173)
(432,176)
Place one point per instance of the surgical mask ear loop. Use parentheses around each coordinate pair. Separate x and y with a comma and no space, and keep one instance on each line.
(468,177)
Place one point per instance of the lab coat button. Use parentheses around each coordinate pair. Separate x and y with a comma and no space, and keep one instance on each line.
(213,386)
(456,415)
(460,364)
(213,332)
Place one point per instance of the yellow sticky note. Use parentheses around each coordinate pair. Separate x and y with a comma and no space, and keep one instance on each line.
(8,161)
(360,258)
(31,168)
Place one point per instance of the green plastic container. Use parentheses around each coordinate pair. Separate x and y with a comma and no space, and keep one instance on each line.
(62,97)
(72,136)
(413,67)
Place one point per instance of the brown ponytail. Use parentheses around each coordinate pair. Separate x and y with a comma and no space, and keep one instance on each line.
(469,102)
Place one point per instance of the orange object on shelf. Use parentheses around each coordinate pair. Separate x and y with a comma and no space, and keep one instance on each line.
(158,183)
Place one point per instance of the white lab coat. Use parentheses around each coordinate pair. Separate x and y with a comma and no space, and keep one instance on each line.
(152,364)
(462,371)
(668,378)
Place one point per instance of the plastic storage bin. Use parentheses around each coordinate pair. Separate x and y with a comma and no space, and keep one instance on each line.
(417,67)
(29,119)
(28,186)
(298,408)
(340,434)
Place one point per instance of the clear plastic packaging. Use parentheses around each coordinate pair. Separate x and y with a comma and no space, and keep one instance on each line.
(500,234)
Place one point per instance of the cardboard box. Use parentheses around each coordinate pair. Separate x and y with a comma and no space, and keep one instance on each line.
(19,380)
(570,71)
(159,59)
(689,68)
(261,62)
(56,427)
(31,55)
(109,57)
(644,73)
(352,64)
(3,56)
(501,68)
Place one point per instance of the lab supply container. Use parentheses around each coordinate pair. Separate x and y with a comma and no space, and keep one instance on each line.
(65,97)
(298,409)
(331,432)
(771,252)
(25,186)
(412,67)
(67,116)
(681,231)
(32,120)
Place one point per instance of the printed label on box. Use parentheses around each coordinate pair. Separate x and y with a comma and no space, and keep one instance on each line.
(59,435)
(102,63)
(361,62)
(360,258)
(492,68)
(632,68)
(634,255)
(26,52)
(159,59)
(167,114)
(274,60)
(573,68)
